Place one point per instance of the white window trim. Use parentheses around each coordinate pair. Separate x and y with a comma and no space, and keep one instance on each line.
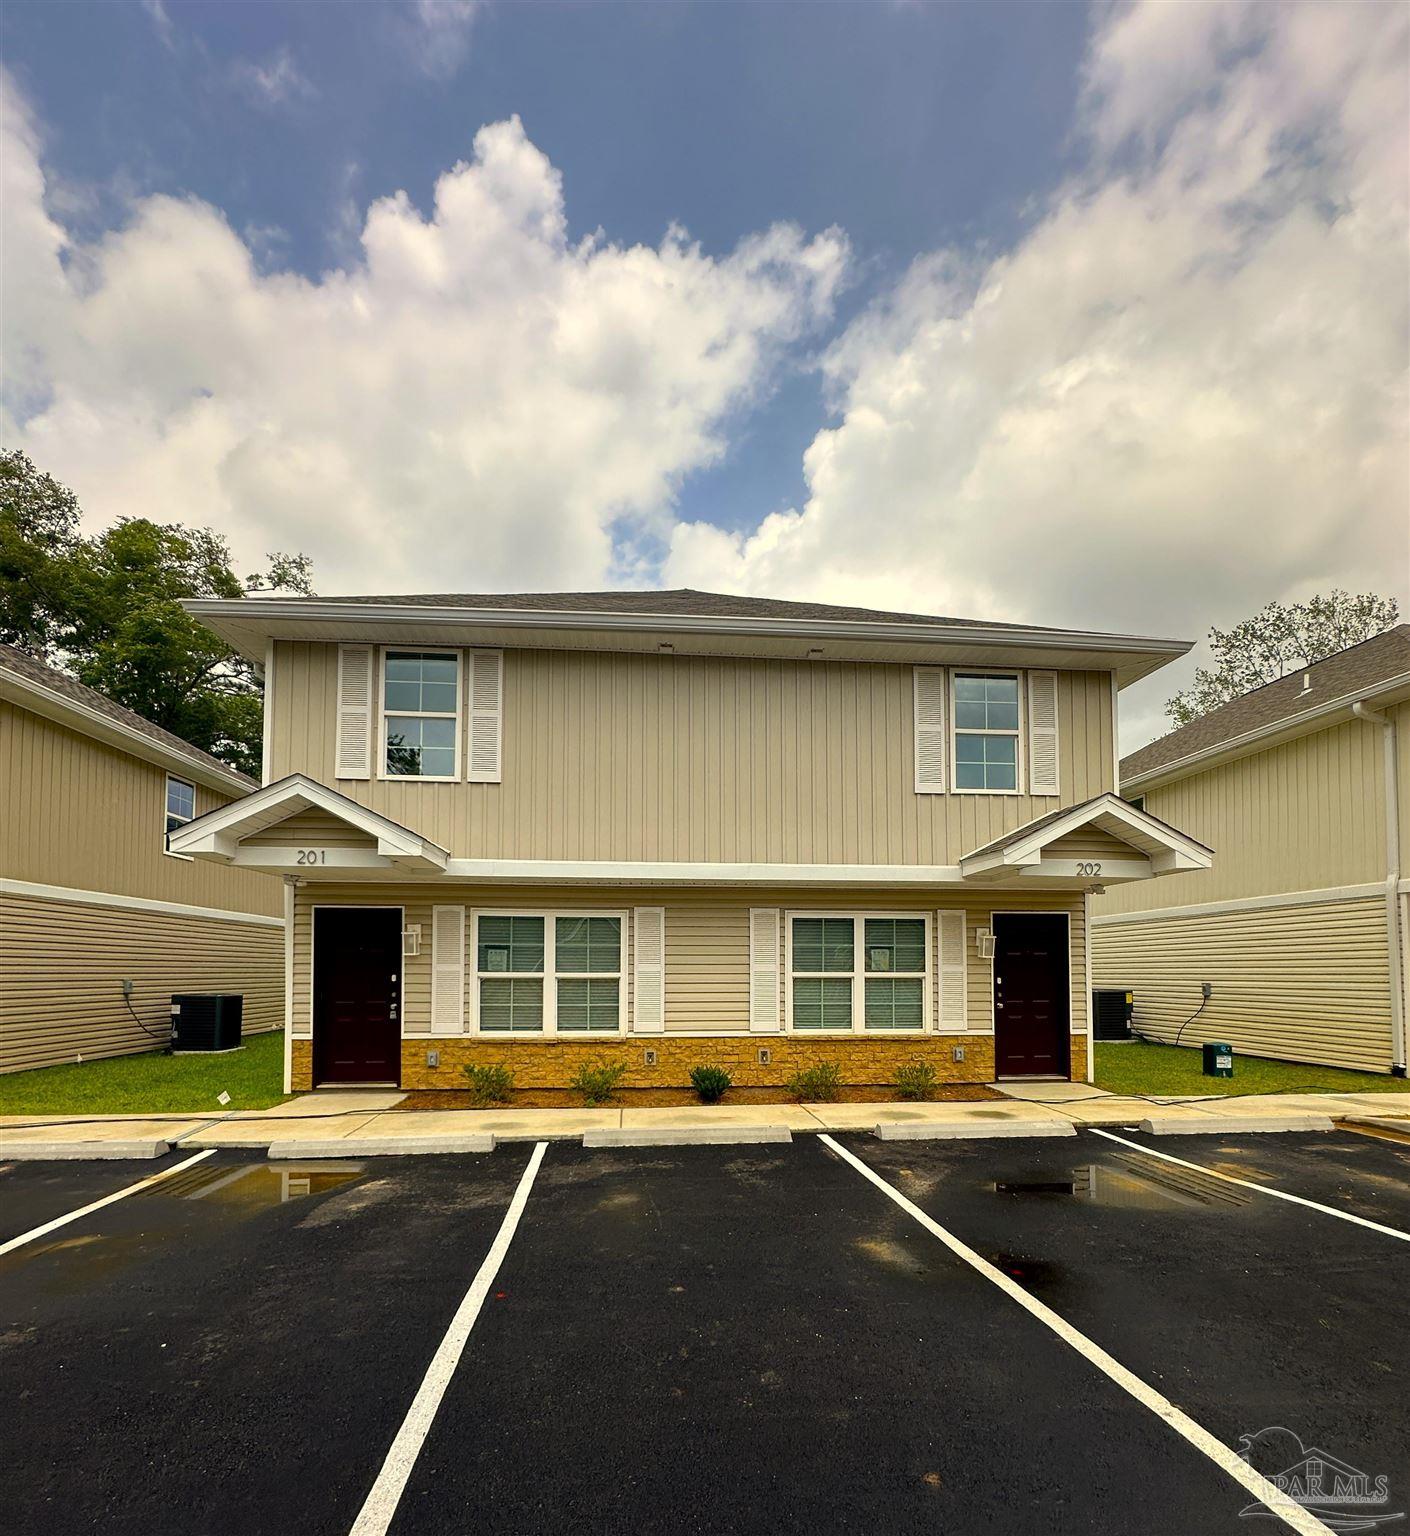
(1020,676)
(379,683)
(549,975)
(186,858)
(859,976)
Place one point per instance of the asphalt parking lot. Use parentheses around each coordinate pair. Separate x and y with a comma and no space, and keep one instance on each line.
(702,1338)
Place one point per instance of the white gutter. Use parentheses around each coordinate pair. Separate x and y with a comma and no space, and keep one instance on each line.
(1393,942)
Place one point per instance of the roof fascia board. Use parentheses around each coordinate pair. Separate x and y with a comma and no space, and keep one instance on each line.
(1287,729)
(805,629)
(56,706)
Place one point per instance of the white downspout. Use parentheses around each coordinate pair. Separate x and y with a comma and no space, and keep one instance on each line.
(1087,968)
(1393,944)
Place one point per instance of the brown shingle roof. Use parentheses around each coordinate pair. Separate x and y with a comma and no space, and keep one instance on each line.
(28,669)
(677,602)
(1358,667)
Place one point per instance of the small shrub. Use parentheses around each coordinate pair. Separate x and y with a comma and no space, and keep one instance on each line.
(711,1083)
(598,1081)
(818,1084)
(915,1081)
(490,1085)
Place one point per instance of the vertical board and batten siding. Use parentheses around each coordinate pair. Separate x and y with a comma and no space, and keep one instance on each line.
(707,948)
(608,755)
(62,965)
(1300,983)
(1306,815)
(81,814)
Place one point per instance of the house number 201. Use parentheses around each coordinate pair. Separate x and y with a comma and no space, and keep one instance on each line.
(312,856)
(1089,869)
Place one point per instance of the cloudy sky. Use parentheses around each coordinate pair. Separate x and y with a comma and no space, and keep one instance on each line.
(1090,316)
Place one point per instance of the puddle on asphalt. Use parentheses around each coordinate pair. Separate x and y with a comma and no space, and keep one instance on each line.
(1134,1186)
(256,1186)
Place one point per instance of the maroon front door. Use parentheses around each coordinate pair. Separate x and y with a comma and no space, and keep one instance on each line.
(1031,1004)
(357,994)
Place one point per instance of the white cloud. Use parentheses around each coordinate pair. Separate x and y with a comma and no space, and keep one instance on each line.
(440,34)
(1181,394)
(476,402)
(273,81)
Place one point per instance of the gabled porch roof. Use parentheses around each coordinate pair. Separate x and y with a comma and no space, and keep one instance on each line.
(221,834)
(1149,846)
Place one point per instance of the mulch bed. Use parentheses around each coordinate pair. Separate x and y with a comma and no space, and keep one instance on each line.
(669,1098)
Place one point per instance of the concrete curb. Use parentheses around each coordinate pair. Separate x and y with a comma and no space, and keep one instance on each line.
(968,1130)
(75,1151)
(382,1146)
(1235,1125)
(688,1136)
(1378,1122)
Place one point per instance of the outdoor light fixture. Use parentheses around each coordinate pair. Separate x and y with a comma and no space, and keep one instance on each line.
(984,942)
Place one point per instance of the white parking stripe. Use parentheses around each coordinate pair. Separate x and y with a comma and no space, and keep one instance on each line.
(1288,1510)
(381,1503)
(1278,1194)
(97,1205)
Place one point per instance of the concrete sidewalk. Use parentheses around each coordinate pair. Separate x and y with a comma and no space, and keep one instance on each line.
(372,1123)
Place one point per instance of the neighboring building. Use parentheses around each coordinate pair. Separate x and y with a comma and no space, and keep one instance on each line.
(668,828)
(90,899)
(1301,929)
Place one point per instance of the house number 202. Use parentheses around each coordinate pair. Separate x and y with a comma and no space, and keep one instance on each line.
(312,856)
(1089,869)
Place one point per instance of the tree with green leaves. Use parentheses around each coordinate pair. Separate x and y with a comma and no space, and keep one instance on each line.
(1280,638)
(107,609)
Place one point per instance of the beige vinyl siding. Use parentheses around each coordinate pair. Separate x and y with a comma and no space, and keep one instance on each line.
(614,756)
(314,827)
(707,941)
(62,965)
(1301,983)
(80,814)
(1306,815)
(1090,843)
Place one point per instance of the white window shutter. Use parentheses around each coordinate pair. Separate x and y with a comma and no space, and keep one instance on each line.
(950,942)
(447,970)
(353,751)
(763,969)
(649,970)
(486,716)
(931,743)
(1043,733)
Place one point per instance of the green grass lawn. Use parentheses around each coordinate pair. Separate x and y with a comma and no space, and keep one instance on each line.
(1136,1067)
(152,1083)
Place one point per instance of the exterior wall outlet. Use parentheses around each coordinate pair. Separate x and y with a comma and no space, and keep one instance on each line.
(957,1054)
(765,1056)
(649,1056)
(126,987)
(433,1058)
(1206,989)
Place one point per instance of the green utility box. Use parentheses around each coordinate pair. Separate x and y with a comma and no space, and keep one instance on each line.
(1218,1060)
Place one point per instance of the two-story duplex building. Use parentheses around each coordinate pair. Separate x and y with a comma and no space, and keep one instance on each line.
(668,828)
(99,923)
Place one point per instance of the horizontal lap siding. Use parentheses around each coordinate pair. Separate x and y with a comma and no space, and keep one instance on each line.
(1303,983)
(1090,843)
(707,940)
(320,827)
(62,965)
(613,756)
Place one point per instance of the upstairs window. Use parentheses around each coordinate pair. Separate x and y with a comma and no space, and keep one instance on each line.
(180,805)
(986,732)
(421,714)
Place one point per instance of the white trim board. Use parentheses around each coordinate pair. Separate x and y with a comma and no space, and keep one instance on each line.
(1319,898)
(135,903)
